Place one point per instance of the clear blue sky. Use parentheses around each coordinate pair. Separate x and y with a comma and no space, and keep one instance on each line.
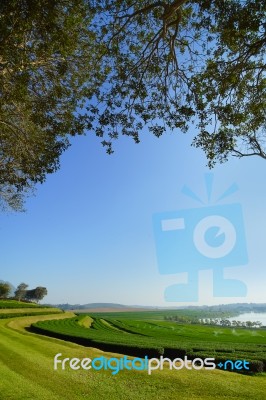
(88,236)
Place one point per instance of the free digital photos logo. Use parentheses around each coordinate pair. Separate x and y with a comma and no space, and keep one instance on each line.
(209,237)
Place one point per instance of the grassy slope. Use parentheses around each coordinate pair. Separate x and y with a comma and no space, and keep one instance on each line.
(28,310)
(26,371)
(162,334)
(172,330)
(156,314)
(17,304)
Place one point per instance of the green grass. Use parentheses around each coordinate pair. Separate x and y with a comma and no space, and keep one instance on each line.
(153,338)
(26,371)
(4,304)
(85,321)
(12,308)
(162,314)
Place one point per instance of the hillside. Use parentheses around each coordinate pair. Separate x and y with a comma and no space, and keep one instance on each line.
(235,308)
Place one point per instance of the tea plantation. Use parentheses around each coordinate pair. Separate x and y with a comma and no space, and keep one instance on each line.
(137,337)
(27,372)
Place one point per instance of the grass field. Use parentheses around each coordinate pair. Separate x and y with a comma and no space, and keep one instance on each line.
(158,314)
(26,310)
(26,371)
(138,337)
(9,304)
(12,308)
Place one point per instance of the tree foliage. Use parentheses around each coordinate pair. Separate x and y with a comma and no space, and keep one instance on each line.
(232,83)
(44,67)
(127,66)
(5,290)
(21,291)
(36,294)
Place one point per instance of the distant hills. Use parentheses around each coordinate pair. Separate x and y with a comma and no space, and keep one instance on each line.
(104,306)
(238,307)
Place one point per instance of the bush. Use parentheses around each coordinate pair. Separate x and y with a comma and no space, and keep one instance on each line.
(175,352)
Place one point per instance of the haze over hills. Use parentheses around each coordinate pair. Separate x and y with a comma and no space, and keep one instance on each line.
(105,306)
(239,307)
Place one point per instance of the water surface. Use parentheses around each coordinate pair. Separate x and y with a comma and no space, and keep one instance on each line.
(251,316)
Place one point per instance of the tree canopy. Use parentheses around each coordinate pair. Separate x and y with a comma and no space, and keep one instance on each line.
(45,61)
(116,68)
(21,291)
(36,294)
(5,290)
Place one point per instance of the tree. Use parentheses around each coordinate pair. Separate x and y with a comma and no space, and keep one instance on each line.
(40,293)
(231,106)
(36,294)
(20,292)
(30,295)
(4,290)
(127,66)
(44,71)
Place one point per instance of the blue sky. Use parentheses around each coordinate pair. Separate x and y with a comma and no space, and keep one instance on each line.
(88,236)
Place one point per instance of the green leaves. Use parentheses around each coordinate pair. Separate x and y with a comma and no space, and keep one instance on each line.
(5,289)
(231,82)
(42,73)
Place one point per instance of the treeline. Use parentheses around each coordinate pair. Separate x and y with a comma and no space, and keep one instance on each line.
(238,308)
(182,319)
(234,323)
(216,321)
(22,293)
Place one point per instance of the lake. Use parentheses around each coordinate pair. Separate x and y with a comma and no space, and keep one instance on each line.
(251,316)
